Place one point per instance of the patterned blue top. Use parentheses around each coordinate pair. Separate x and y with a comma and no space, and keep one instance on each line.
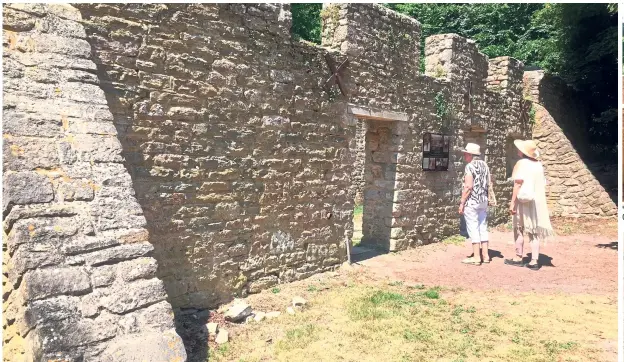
(481,176)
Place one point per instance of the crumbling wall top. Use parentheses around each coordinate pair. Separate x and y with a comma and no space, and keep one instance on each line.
(455,58)
(374,35)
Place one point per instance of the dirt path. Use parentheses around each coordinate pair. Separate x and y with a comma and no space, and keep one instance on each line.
(389,307)
(579,263)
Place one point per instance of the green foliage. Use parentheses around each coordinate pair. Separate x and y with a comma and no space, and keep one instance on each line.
(532,113)
(306,21)
(577,42)
(441,105)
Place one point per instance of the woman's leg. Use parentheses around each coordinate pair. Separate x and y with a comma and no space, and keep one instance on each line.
(519,241)
(535,248)
(472,227)
(483,233)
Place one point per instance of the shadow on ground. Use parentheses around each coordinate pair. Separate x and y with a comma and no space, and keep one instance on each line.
(612,245)
(543,260)
(191,326)
(362,253)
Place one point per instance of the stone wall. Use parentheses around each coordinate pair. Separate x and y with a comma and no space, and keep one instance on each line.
(241,168)
(79,278)
(243,164)
(239,159)
(358,148)
(560,118)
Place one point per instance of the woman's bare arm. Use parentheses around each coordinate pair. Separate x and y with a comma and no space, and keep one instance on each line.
(468,185)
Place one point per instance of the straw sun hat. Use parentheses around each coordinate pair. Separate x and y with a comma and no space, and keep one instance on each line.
(528,148)
(473,149)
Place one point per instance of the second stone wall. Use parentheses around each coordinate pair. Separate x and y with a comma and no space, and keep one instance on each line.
(572,191)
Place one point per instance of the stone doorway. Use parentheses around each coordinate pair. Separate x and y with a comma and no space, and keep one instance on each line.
(377,149)
(381,148)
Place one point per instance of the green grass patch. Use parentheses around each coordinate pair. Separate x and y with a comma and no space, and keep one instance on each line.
(298,338)
(454,240)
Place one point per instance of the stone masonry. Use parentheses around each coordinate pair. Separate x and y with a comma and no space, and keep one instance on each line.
(168,156)
(79,279)
(573,190)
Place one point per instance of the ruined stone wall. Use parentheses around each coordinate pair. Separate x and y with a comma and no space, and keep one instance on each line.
(79,278)
(239,158)
(424,203)
(573,190)
(242,164)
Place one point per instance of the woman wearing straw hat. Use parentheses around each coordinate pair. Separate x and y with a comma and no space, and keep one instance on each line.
(474,203)
(528,204)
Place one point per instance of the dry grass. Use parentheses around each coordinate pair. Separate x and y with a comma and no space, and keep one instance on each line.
(353,318)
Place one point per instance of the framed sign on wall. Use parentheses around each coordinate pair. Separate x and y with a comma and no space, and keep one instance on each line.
(436,151)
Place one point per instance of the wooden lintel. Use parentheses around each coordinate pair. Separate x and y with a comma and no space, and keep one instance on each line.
(478,129)
(362,112)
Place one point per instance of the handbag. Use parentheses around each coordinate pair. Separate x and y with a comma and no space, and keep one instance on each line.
(463,228)
(526,192)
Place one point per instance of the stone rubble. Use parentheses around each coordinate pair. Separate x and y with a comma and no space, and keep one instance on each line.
(212,328)
(222,336)
(298,302)
(238,312)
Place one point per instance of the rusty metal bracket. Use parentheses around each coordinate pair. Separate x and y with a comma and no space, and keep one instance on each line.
(336,78)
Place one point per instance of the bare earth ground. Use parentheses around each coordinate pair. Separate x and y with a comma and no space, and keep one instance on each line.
(424,305)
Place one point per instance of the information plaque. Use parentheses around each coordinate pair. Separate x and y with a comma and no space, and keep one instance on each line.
(435,152)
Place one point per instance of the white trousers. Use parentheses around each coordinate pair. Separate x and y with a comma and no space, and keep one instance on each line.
(476,222)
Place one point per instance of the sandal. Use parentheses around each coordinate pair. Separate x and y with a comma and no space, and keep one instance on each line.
(486,261)
(471,261)
(514,263)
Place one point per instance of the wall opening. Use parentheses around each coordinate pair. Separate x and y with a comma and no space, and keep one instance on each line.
(381,145)
(358,179)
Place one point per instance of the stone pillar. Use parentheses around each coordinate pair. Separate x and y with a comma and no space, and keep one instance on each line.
(452,57)
(79,280)
(505,74)
(371,34)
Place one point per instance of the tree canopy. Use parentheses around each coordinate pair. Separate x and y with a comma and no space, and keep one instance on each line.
(577,42)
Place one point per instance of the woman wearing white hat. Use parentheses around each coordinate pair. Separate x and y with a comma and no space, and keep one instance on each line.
(528,204)
(474,203)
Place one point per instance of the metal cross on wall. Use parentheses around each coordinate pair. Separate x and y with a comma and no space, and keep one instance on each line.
(335,77)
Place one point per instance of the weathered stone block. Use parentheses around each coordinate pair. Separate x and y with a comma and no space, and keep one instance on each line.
(140,268)
(43,283)
(149,346)
(53,310)
(115,254)
(26,188)
(127,297)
